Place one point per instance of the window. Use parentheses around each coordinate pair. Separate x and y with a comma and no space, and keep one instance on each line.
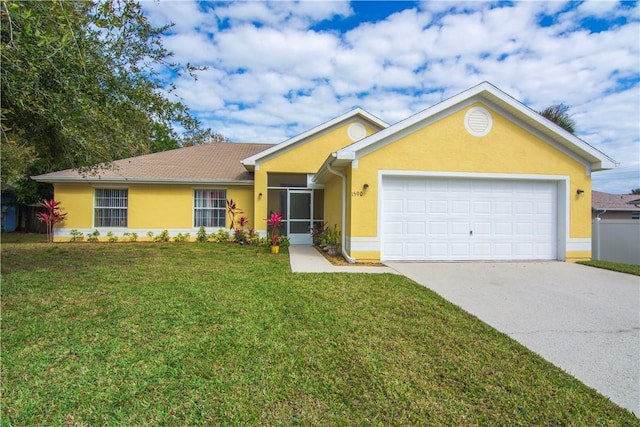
(111,207)
(209,208)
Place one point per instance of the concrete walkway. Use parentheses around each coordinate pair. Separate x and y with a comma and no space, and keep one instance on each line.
(307,259)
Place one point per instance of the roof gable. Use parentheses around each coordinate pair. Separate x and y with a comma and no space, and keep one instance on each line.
(501,102)
(357,113)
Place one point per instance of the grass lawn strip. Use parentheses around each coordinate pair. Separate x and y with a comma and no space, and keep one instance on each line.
(178,334)
(614,266)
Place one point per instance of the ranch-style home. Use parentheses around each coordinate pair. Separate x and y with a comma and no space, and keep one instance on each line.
(479,176)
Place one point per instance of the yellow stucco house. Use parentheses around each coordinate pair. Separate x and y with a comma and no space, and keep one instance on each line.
(479,176)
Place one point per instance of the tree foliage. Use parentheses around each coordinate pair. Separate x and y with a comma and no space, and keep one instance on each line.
(83,84)
(635,191)
(559,114)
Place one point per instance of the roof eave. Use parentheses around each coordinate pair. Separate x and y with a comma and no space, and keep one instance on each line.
(120,181)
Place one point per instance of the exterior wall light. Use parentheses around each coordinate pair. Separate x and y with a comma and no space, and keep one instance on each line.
(365,187)
(579,192)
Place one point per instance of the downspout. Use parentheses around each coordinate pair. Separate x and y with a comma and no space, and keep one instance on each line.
(598,233)
(344,213)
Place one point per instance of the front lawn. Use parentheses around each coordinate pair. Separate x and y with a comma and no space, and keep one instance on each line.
(193,334)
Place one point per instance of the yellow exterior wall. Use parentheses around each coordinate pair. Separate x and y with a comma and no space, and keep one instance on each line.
(445,146)
(150,206)
(160,206)
(77,202)
(307,157)
(333,202)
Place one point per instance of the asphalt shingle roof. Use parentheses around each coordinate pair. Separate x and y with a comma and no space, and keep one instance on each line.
(612,202)
(219,161)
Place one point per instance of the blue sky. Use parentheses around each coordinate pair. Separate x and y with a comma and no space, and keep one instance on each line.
(275,69)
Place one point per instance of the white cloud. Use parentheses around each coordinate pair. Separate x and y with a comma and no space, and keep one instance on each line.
(272,75)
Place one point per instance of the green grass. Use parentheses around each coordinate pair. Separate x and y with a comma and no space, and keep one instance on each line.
(614,266)
(193,334)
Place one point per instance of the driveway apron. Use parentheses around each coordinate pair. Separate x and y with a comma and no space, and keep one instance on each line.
(583,319)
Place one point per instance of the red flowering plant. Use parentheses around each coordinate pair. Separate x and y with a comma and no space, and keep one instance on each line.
(51,216)
(274,222)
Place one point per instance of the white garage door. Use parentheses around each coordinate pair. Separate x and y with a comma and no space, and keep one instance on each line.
(468,219)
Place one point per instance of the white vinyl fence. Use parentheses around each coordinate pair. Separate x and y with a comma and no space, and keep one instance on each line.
(616,240)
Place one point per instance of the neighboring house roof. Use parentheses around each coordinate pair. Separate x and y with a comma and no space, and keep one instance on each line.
(613,202)
(497,100)
(250,162)
(218,162)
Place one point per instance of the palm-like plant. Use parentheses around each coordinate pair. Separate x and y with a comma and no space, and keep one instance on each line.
(51,216)
(559,114)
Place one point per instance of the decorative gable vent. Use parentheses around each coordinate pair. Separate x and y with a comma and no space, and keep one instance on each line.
(478,121)
(356,131)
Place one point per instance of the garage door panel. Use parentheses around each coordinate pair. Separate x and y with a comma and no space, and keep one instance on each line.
(417,228)
(456,219)
(460,206)
(438,228)
(416,206)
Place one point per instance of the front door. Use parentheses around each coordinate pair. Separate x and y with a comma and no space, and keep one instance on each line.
(299,217)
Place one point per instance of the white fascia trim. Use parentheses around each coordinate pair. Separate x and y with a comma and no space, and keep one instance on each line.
(603,160)
(253,160)
(128,181)
(535,132)
(579,244)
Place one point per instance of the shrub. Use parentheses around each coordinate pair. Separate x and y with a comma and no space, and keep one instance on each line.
(202,236)
(240,236)
(133,236)
(182,237)
(222,236)
(318,233)
(150,235)
(93,236)
(76,236)
(162,237)
(111,238)
(284,242)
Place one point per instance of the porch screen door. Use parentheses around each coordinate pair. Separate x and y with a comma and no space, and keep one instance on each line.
(299,223)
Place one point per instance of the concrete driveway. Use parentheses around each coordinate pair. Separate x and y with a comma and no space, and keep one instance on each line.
(582,319)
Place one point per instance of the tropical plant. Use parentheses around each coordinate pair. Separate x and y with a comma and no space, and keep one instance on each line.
(635,191)
(317,232)
(232,211)
(93,236)
(273,224)
(51,216)
(111,238)
(559,114)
